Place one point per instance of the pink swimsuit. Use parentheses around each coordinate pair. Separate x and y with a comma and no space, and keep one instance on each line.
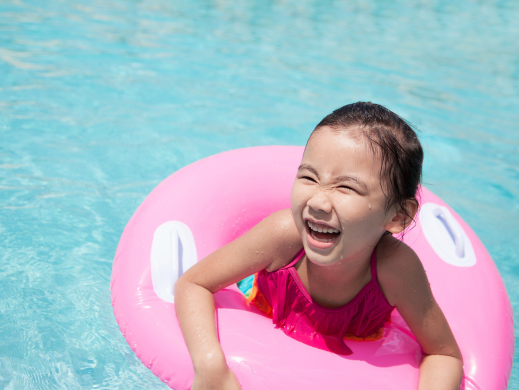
(282,296)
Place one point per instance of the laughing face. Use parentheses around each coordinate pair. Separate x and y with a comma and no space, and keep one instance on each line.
(337,198)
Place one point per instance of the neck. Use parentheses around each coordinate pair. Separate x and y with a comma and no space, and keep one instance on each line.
(337,284)
(345,271)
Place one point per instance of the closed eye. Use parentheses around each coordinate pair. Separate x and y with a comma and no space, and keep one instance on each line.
(308,178)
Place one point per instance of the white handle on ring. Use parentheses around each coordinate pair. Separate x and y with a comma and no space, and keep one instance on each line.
(173,252)
(456,234)
(446,236)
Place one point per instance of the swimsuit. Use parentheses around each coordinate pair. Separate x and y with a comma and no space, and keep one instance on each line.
(282,296)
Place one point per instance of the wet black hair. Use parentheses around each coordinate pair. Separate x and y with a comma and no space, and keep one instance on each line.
(390,137)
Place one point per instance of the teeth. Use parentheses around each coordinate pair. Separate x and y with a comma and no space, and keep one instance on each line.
(321,229)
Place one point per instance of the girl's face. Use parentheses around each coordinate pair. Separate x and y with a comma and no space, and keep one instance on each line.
(337,199)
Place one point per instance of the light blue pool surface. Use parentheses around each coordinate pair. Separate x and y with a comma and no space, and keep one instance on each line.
(100,100)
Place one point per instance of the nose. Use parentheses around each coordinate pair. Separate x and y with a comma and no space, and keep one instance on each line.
(320,202)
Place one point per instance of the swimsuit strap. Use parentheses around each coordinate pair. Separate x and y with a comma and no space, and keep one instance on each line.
(374,266)
(297,257)
(374,278)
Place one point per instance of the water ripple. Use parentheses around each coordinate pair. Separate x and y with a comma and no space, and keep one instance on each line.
(102,100)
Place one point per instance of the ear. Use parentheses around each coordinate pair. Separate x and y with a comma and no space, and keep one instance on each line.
(401,218)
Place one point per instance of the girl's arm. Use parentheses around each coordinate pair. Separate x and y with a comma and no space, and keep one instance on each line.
(404,282)
(270,244)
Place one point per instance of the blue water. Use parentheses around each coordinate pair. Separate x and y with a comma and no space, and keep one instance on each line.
(102,99)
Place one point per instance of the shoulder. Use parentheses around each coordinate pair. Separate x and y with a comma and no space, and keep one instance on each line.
(281,219)
(404,283)
(283,237)
(270,243)
(400,272)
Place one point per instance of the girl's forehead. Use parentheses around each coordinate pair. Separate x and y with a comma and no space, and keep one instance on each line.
(335,154)
(335,145)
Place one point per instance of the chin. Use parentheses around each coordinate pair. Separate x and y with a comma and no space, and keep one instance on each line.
(319,258)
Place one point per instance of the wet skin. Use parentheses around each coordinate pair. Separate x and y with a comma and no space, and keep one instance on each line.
(343,194)
(338,187)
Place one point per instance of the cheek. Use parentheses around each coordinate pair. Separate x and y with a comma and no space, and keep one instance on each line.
(356,210)
(297,197)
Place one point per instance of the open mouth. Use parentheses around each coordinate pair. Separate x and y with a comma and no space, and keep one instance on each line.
(322,234)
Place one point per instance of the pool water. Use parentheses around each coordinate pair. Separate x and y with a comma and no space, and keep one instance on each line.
(100,100)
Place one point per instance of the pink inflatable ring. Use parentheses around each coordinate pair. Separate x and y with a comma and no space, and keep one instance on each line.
(211,202)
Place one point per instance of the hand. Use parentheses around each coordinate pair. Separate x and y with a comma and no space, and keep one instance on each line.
(225,380)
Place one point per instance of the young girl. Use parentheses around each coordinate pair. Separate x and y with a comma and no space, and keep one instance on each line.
(355,188)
